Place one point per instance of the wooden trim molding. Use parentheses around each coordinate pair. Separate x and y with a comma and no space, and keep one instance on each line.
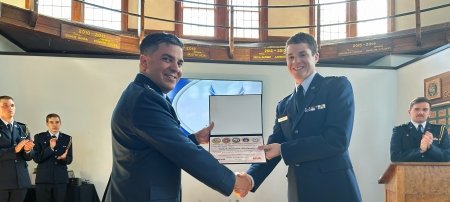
(263,21)
(351,16)
(312,17)
(391,12)
(77,11)
(179,18)
(124,17)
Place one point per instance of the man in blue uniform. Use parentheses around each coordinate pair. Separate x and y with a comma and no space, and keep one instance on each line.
(312,131)
(149,149)
(52,153)
(15,149)
(419,140)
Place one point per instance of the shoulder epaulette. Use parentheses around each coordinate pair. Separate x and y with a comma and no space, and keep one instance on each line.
(21,123)
(25,126)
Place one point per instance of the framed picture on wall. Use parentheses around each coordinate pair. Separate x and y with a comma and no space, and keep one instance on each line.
(433,89)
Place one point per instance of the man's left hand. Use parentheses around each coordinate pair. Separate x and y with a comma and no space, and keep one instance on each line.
(202,136)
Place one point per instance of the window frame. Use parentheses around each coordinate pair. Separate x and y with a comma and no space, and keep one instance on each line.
(351,13)
(221,18)
(78,13)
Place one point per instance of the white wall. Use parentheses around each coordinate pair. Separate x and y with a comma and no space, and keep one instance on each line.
(84,92)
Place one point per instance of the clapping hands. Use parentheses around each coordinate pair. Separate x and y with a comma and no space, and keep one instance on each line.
(427,140)
(26,145)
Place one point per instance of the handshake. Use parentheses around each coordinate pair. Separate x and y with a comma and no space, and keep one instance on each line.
(243,184)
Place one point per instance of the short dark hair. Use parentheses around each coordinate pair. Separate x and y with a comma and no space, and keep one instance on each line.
(6,97)
(52,115)
(303,38)
(419,100)
(151,42)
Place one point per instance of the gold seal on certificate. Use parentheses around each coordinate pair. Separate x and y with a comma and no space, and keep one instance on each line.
(238,129)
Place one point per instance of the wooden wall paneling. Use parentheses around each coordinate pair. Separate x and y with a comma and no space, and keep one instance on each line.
(48,25)
(129,44)
(241,54)
(219,53)
(328,51)
(14,16)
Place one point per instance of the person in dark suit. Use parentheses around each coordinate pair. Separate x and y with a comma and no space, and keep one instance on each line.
(52,153)
(15,149)
(312,132)
(149,149)
(419,140)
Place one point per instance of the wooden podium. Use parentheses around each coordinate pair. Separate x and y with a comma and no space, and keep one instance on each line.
(417,182)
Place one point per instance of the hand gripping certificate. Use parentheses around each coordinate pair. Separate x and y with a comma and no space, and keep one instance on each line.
(237,129)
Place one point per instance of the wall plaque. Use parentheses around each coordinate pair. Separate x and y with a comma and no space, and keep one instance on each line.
(90,36)
(269,54)
(194,51)
(437,88)
(364,47)
(433,89)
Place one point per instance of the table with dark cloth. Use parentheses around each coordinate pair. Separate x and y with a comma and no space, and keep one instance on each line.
(82,193)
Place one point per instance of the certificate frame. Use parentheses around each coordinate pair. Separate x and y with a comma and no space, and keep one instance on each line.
(238,129)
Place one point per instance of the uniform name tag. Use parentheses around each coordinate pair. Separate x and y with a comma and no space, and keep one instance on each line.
(284,118)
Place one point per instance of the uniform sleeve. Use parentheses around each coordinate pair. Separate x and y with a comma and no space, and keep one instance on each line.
(157,127)
(398,154)
(69,156)
(440,152)
(260,171)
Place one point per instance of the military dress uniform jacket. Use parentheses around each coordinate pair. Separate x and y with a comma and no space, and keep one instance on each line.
(405,144)
(50,170)
(314,142)
(149,150)
(13,166)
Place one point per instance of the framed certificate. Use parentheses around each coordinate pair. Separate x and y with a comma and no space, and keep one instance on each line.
(237,128)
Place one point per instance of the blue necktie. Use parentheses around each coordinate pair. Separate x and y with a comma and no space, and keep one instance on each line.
(420,129)
(299,97)
(9,126)
(10,133)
